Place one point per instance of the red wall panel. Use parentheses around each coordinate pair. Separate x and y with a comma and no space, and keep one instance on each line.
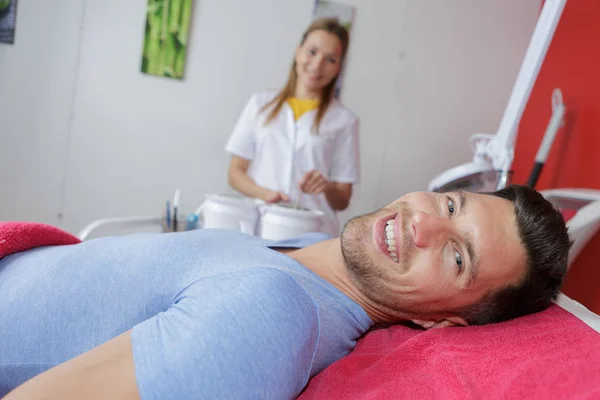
(573,65)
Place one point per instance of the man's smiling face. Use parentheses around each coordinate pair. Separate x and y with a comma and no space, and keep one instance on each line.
(427,253)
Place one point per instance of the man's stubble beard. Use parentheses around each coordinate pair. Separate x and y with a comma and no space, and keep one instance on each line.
(371,279)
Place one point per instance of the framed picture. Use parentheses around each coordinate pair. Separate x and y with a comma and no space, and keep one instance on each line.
(166,37)
(8,18)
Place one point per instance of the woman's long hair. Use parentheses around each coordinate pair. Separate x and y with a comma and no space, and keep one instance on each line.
(330,25)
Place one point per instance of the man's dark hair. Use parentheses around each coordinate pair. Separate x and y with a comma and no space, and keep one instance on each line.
(544,236)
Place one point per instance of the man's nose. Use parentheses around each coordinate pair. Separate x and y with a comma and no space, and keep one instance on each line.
(428,228)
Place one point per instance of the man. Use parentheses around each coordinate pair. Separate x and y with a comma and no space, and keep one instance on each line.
(216,314)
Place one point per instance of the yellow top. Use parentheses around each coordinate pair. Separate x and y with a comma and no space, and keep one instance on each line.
(301,106)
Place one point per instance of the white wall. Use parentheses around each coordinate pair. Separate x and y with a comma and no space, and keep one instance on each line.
(36,93)
(423,75)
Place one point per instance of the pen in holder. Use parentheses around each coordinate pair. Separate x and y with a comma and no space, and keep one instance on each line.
(170,225)
(175,209)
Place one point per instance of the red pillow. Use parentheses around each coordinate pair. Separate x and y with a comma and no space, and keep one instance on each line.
(21,236)
(551,354)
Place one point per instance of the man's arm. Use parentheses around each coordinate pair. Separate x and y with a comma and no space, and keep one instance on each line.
(247,334)
(105,372)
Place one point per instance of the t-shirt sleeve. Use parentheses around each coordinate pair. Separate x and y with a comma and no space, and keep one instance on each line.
(345,167)
(251,334)
(242,141)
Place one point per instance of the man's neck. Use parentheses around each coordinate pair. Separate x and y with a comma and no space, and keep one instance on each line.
(325,259)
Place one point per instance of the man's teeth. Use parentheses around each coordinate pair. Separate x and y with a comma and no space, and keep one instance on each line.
(390,240)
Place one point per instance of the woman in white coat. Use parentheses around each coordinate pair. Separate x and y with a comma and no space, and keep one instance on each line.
(301,144)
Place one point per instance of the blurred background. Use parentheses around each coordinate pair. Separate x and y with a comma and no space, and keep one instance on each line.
(84,134)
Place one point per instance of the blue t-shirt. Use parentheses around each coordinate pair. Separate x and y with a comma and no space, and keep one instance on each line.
(214,314)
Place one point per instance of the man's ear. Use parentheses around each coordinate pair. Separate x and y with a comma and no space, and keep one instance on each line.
(423,323)
(443,323)
(456,321)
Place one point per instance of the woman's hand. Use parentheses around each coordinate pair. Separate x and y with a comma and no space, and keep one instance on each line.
(313,182)
(271,196)
(239,180)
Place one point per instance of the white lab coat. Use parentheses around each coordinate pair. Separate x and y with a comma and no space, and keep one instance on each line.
(284,150)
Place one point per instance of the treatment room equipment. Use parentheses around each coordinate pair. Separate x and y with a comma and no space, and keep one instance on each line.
(242,214)
(493,153)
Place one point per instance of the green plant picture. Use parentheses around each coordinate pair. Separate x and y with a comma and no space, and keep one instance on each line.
(166,37)
(8,17)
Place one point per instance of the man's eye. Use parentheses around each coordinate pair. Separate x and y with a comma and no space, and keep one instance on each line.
(450,207)
(312,52)
(458,260)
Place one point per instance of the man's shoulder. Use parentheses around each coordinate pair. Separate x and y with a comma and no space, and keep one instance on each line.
(257,286)
(274,285)
(248,333)
(262,301)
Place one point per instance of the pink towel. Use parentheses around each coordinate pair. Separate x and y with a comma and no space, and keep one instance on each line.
(551,354)
(21,236)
